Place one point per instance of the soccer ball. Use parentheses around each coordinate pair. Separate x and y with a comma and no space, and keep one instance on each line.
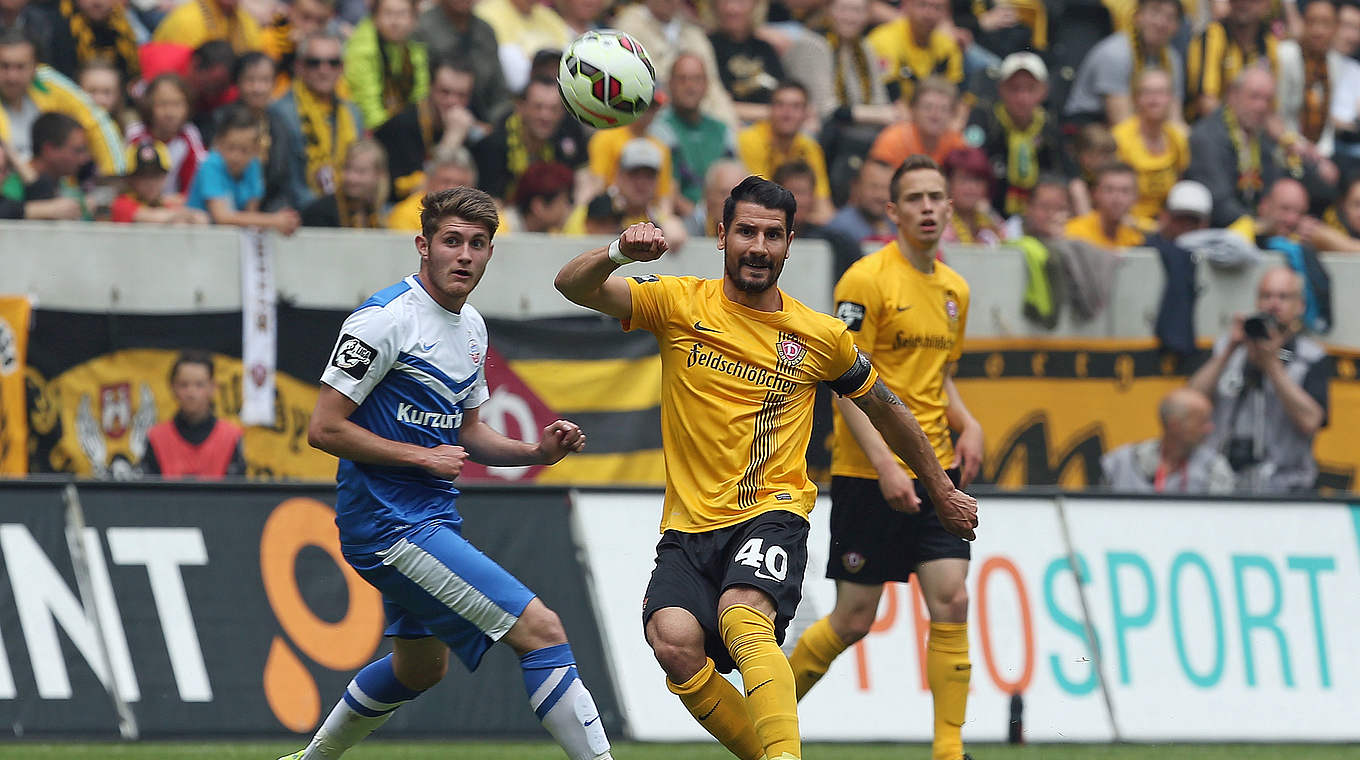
(606,79)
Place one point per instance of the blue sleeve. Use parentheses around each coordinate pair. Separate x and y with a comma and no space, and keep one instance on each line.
(252,184)
(213,182)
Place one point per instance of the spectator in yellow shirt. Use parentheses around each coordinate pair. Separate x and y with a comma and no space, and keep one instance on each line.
(915,47)
(451,167)
(1115,191)
(1157,148)
(769,144)
(198,21)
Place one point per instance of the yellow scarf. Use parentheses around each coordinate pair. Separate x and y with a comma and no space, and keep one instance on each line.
(398,75)
(122,53)
(357,218)
(1022,159)
(1317,97)
(1215,60)
(981,221)
(328,129)
(221,25)
(862,70)
(1140,58)
(1250,183)
(517,157)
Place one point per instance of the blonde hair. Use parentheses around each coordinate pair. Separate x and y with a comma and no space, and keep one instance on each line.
(369,147)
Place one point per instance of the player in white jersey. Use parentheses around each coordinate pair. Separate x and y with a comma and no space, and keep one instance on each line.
(399,406)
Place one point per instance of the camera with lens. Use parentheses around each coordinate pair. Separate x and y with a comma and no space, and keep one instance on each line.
(1260,326)
(1241,454)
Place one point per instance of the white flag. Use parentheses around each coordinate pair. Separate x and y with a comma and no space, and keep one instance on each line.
(259,331)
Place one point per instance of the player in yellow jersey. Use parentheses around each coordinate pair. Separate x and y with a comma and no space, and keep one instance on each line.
(740,362)
(907,311)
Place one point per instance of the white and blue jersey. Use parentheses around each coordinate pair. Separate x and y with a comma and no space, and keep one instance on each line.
(413,368)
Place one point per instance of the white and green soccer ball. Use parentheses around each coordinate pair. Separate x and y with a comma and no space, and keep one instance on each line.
(606,79)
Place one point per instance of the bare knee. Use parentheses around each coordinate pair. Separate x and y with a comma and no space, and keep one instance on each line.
(853,623)
(537,627)
(419,664)
(679,649)
(950,606)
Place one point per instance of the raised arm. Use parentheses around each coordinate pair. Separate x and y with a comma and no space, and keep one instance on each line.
(903,434)
(586,280)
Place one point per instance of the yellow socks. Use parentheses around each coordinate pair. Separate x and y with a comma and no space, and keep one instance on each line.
(770,696)
(948,670)
(816,648)
(720,709)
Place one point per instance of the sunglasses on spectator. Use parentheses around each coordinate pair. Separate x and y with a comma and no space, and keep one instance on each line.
(316,63)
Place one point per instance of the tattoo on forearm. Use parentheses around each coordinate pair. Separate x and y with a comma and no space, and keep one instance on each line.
(884,394)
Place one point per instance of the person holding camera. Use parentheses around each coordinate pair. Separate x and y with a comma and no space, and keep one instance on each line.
(1269,387)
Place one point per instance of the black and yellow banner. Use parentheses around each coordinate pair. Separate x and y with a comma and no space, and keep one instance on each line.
(1049,408)
(14,316)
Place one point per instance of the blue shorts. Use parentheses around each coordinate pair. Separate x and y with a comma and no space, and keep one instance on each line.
(435,583)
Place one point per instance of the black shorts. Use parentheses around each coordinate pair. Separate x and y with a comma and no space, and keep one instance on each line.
(873,543)
(768,552)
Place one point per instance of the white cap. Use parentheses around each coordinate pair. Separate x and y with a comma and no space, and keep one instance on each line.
(1016,62)
(640,153)
(1190,197)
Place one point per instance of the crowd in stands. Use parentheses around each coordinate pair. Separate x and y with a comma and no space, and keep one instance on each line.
(1070,129)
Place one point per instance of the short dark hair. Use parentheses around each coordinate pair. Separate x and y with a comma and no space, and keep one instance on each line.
(1115,167)
(466,203)
(763,193)
(168,78)
(791,84)
(795,169)
(1180,12)
(212,54)
(235,116)
(15,36)
(539,80)
(192,356)
(51,128)
(915,162)
(248,60)
(456,65)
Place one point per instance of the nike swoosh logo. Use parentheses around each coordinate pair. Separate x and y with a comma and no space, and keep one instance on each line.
(429,347)
(903,308)
(757,686)
(592,720)
(704,717)
(699,326)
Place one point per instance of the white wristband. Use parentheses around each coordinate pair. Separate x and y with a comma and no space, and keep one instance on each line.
(617,256)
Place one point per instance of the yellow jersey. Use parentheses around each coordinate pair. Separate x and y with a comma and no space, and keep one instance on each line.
(1157,172)
(756,149)
(737,389)
(911,324)
(1087,227)
(198,21)
(905,64)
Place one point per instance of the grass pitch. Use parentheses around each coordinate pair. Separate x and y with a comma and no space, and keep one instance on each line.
(544,751)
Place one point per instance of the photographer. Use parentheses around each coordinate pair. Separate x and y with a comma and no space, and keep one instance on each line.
(1269,388)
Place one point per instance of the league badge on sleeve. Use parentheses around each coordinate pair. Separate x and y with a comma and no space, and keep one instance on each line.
(851,313)
(353,356)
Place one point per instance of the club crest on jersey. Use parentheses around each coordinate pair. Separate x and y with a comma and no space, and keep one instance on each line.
(474,352)
(791,352)
(353,356)
(852,561)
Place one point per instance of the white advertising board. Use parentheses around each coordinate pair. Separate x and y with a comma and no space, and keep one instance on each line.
(1217,621)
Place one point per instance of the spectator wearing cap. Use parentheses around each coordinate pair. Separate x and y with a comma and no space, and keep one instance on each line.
(1154,145)
(915,46)
(606,149)
(451,32)
(523,28)
(1230,152)
(696,140)
(1219,54)
(443,119)
(360,202)
(769,144)
(1019,137)
(928,131)
(1177,462)
(195,23)
(90,31)
(1107,225)
(144,200)
(316,125)
(164,112)
(451,166)
(537,130)
(1187,209)
(665,32)
(865,217)
(630,199)
(543,199)
(1110,71)
(29,89)
(386,70)
(970,182)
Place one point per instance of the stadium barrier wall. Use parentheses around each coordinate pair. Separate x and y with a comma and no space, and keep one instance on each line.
(1216,620)
(108,268)
(227,610)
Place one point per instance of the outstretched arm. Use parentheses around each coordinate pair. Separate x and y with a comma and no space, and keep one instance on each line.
(586,279)
(489,447)
(903,434)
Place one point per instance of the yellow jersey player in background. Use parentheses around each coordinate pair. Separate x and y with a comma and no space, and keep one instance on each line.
(740,363)
(907,311)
